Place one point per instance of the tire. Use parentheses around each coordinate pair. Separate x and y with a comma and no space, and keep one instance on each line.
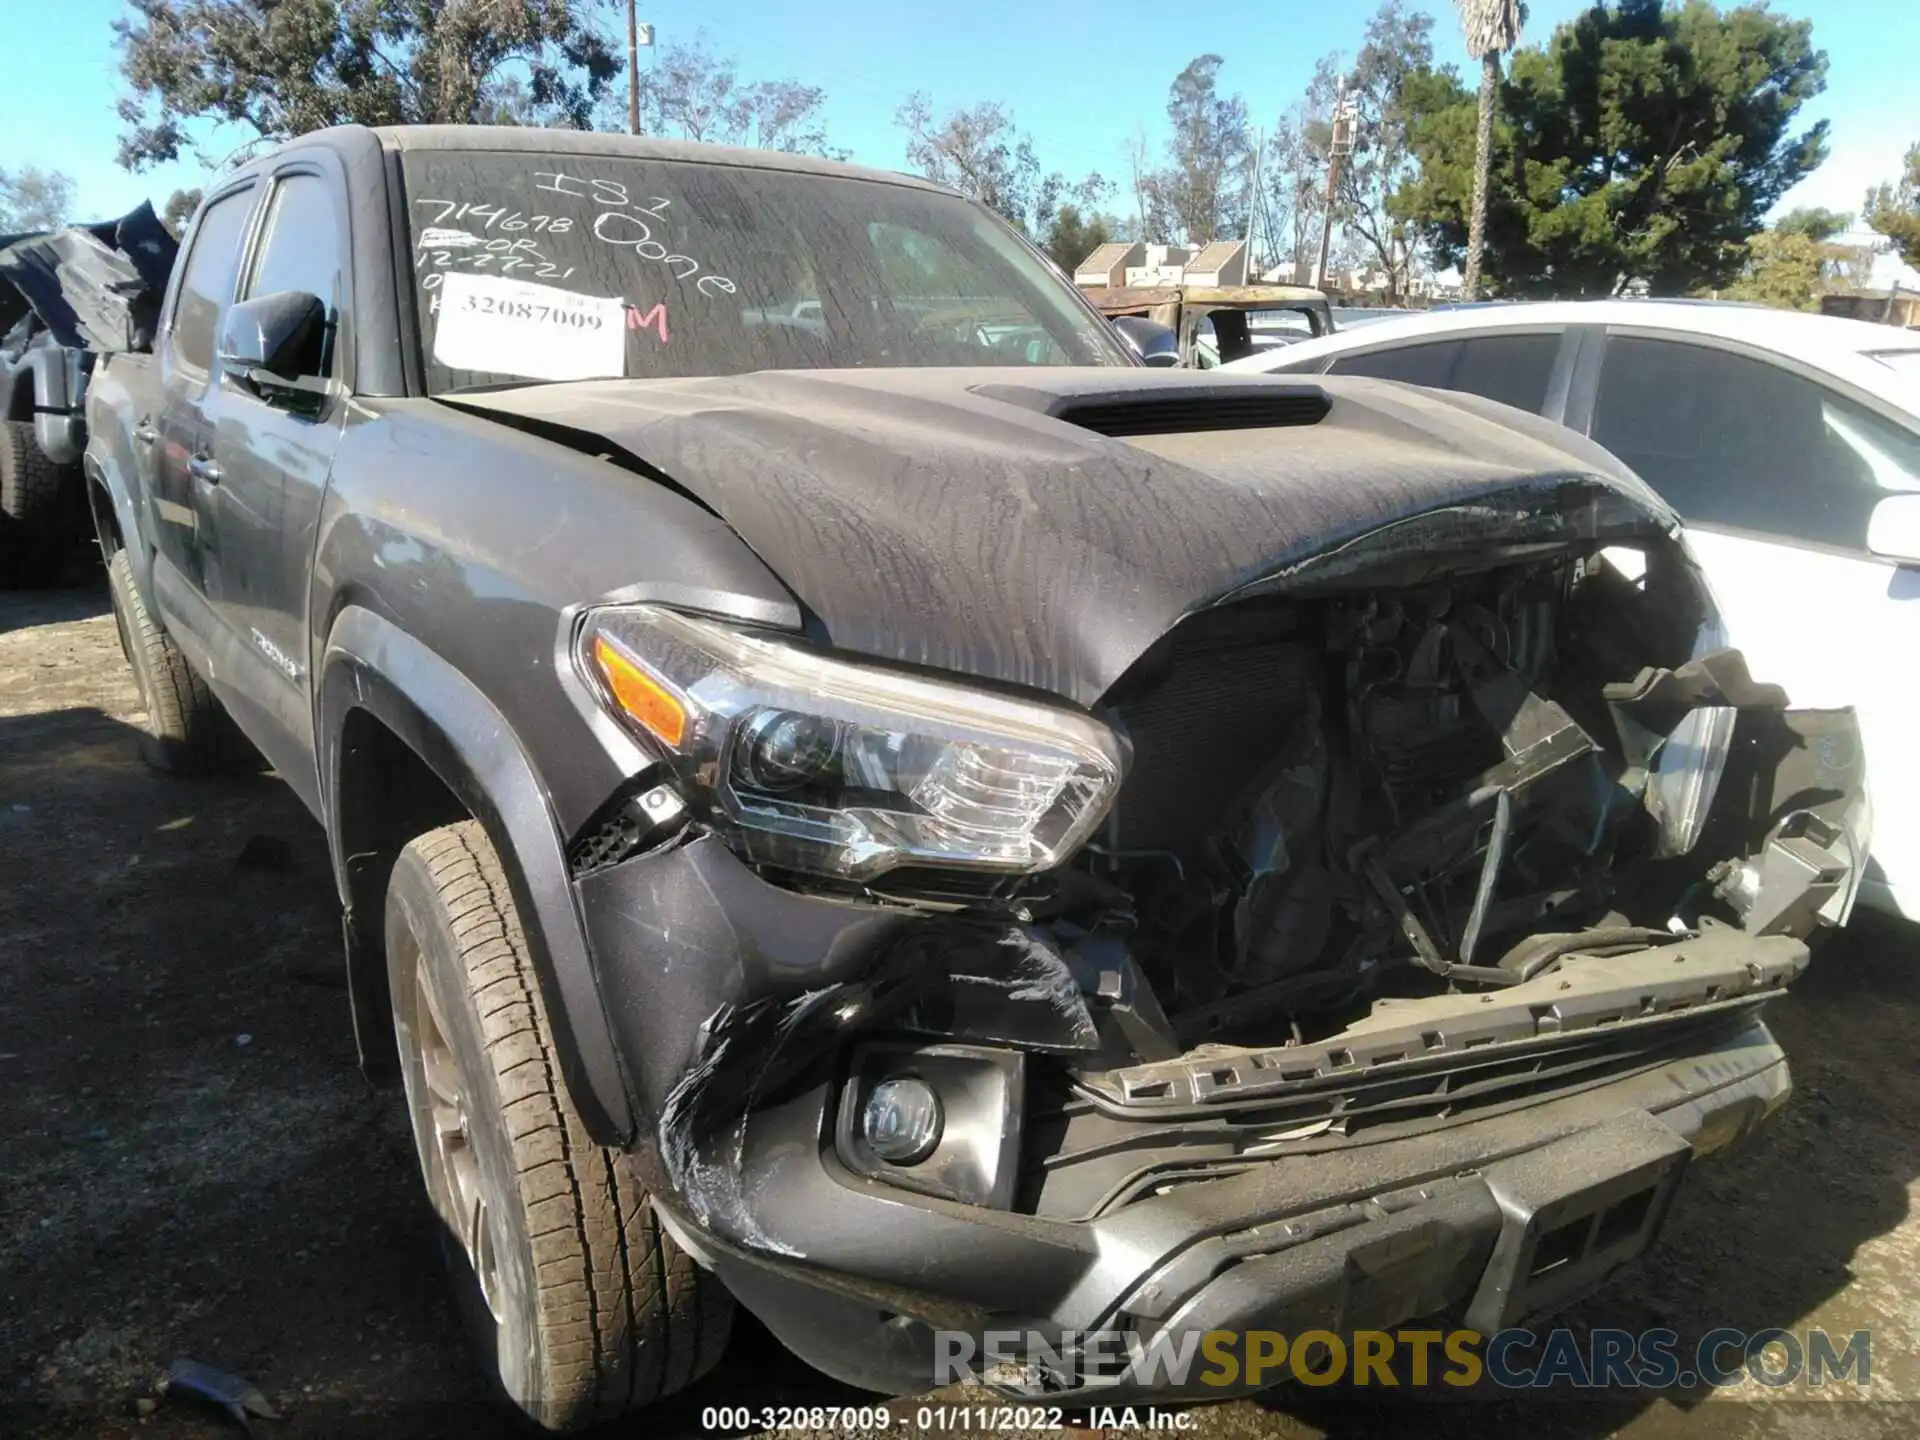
(33,510)
(579,1304)
(187,731)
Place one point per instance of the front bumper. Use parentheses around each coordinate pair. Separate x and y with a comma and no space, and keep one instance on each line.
(1394,1220)
(856,1278)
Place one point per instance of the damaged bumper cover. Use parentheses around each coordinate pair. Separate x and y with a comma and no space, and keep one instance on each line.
(1483,1152)
(1436,1166)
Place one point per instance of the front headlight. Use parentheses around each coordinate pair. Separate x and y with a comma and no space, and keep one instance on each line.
(1686,772)
(1686,776)
(847,770)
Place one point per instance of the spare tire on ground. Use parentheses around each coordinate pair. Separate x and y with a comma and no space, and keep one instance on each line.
(34,528)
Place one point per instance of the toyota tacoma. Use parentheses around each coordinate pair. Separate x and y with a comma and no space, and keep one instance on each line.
(851,795)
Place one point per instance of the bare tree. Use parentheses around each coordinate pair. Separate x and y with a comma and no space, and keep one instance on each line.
(1492,29)
(1205,187)
(981,152)
(180,209)
(1398,46)
(689,93)
(1295,179)
(35,199)
(976,151)
(1145,200)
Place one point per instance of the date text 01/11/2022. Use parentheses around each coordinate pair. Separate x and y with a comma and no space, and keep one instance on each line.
(937,1419)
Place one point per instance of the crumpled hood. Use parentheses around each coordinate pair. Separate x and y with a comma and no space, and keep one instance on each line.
(948,518)
(95,287)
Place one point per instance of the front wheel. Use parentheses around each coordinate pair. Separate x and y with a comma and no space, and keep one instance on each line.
(187,732)
(580,1305)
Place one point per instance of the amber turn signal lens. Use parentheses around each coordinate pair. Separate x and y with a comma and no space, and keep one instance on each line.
(641,696)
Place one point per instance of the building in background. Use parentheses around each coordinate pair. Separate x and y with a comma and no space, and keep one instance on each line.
(1886,289)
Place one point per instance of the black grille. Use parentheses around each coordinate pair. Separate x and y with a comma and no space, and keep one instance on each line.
(640,814)
(609,840)
(1210,709)
(1095,1160)
(1181,414)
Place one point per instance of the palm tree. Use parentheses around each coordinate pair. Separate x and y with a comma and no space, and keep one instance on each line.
(1492,29)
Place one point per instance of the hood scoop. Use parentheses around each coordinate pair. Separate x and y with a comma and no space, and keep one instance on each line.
(1174,410)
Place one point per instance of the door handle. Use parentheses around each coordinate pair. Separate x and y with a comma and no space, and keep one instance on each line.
(201,467)
(144,432)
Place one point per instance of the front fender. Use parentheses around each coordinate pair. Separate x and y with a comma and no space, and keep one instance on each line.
(106,485)
(372,665)
(112,471)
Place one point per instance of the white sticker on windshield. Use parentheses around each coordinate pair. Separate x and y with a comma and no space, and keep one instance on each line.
(509,327)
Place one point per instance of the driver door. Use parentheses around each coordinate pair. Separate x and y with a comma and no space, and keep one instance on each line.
(274,452)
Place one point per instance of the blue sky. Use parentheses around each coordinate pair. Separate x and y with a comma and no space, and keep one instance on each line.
(1078,74)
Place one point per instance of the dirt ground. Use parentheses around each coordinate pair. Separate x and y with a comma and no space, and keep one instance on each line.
(191,1166)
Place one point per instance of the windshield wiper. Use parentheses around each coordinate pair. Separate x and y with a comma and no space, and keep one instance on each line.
(505,385)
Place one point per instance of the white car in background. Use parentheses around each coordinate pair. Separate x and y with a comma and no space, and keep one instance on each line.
(1789,443)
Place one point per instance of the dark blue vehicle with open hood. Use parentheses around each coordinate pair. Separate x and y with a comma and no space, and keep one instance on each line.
(66,296)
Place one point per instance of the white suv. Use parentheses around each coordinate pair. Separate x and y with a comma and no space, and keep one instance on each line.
(1789,443)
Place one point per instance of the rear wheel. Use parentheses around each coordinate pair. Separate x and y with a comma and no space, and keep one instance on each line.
(186,732)
(33,532)
(580,1305)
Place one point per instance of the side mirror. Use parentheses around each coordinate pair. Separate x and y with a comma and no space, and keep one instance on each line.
(273,342)
(1149,339)
(1893,530)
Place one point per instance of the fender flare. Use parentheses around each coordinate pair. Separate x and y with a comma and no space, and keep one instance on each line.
(371,664)
(119,500)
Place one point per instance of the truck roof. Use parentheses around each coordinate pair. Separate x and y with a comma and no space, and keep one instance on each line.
(534,140)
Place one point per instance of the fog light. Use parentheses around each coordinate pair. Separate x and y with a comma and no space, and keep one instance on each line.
(901,1123)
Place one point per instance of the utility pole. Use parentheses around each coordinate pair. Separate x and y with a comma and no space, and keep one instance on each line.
(633,68)
(1253,196)
(1339,145)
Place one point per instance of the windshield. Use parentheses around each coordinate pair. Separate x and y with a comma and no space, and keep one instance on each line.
(541,267)
(1282,322)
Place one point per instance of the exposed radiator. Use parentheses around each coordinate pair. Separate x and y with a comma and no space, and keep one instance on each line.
(1217,701)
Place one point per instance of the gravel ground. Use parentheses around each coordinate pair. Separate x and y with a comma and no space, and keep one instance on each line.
(190,1164)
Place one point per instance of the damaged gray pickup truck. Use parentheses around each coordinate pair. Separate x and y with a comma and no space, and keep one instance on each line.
(852,796)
